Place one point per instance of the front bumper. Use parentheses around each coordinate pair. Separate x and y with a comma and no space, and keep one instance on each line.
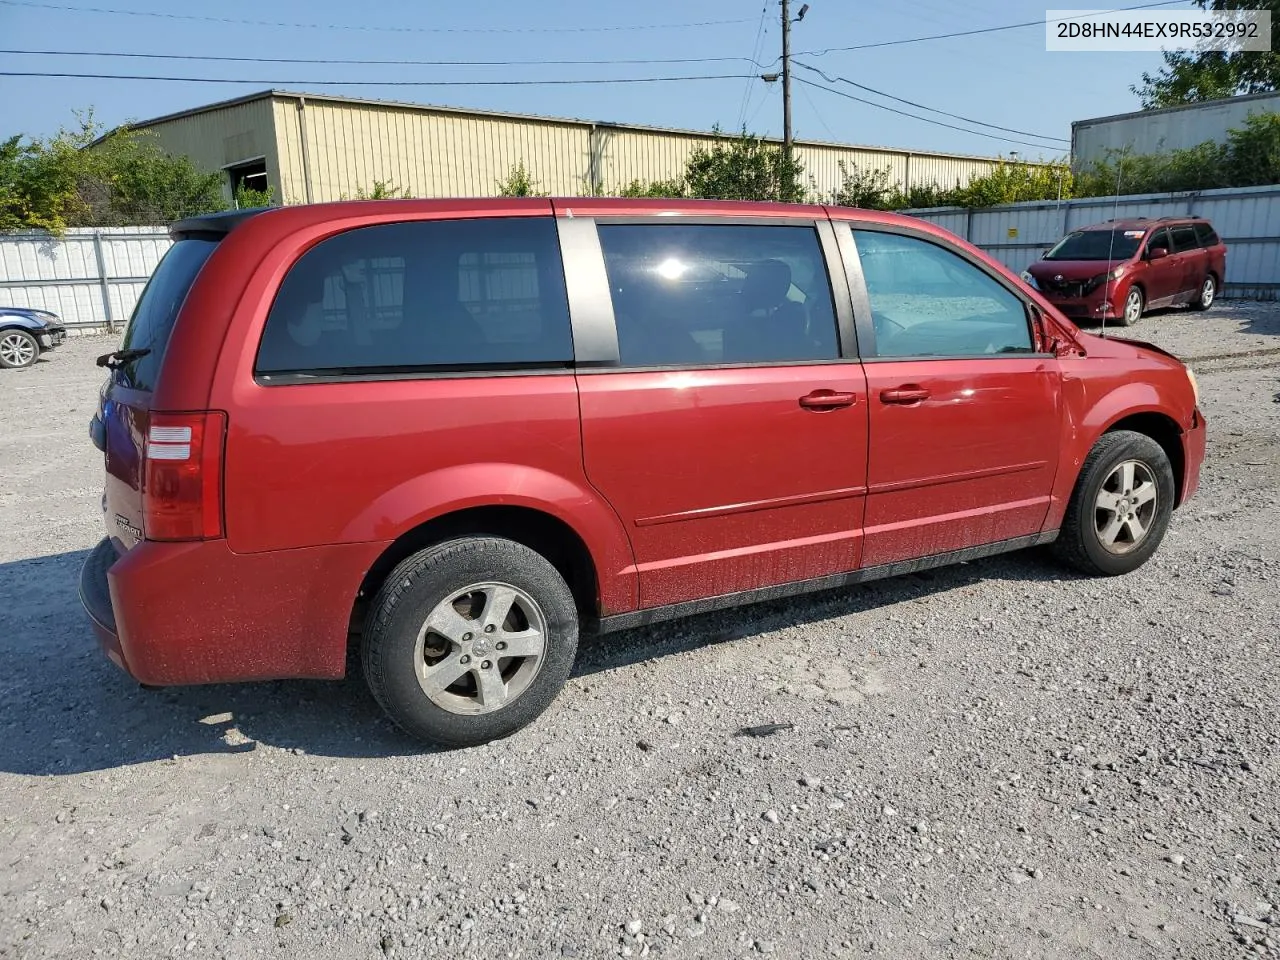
(51,337)
(1095,306)
(186,613)
(1193,447)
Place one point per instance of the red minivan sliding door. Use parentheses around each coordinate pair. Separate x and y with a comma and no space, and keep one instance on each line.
(729,436)
(965,417)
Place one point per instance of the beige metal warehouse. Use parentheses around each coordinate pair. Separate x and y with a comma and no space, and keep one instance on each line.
(312,148)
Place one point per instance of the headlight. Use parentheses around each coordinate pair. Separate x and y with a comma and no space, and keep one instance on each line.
(1195,384)
(1117,273)
(1028,279)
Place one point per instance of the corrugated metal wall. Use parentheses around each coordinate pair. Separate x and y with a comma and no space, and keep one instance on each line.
(1171,128)
(215,139)
(351,145)
(1247,218)
(90,277)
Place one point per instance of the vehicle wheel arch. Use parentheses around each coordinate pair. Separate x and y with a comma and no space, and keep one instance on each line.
(539,530)
(1161,428)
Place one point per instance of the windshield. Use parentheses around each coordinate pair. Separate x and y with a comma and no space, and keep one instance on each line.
(1097,245)
(153,318)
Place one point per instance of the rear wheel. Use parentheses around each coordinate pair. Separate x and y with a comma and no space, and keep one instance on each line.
(1120,508)
(1133,307)
(470,640)
(18,349)
(1208,293)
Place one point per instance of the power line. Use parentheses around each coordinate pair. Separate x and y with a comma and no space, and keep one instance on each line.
(818,113)
(374,63)
(755,52)
(966,33)
(914,116)
(380,29)
(374,83)
(921,106)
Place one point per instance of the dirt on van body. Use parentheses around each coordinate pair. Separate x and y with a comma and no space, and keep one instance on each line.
(998,759)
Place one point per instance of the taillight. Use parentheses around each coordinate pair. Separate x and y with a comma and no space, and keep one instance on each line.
(182,493)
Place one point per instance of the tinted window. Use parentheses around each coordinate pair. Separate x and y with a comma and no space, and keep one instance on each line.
(1159,239)
(704,294)
(1096,245)
(1184,238)
(927,301)
(152,321)
(452,293)
(1205,235)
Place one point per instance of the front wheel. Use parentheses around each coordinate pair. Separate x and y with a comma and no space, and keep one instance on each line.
(1208,293)
(470,640)
(18,349)
(1120,508)
(1133,306)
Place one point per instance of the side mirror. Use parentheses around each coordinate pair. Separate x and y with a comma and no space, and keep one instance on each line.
(1157,253)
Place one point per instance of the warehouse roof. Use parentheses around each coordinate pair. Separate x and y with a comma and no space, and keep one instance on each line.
(570,121)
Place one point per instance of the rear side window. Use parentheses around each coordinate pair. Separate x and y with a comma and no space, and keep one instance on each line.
(1184,238)
(699,294)
(929,302)
(468,294)
(1206,235)
(152,321)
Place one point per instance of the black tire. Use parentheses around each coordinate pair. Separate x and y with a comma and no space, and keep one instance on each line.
(427,579)
(1079,543)
(18,349)
(1127,317)
(1207,295)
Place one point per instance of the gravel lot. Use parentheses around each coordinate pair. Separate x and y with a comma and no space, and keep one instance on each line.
(993,760)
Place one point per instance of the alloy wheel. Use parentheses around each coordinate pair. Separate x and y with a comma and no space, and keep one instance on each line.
(1125,507)
(17,350)
(480,648)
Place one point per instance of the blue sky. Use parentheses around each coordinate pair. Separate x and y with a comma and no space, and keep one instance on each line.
(1006,78)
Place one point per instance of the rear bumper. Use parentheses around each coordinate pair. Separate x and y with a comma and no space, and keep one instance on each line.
(187,613)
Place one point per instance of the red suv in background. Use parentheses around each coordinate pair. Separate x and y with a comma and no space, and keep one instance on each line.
(1117,270)
(457,431)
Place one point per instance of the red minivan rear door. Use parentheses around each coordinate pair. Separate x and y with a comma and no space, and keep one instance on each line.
(123,420)
(730,434)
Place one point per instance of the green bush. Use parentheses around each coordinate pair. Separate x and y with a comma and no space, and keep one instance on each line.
(746,168)
(518,183)
(75,179)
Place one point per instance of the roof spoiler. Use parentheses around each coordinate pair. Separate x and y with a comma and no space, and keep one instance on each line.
(212,226)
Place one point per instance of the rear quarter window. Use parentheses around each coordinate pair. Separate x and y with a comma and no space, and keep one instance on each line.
(152,321)
(452,294)
(1184,238)
(1206,235)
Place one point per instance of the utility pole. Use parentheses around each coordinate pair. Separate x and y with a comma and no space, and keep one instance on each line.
(787,147)
(786,85)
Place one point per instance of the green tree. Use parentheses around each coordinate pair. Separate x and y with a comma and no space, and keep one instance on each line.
(381,190)
(518,183)
(1191,77)
(128,179)
(746,168)
(657,189)
(865,188)
(1253,152)
(76,179)
(247,198)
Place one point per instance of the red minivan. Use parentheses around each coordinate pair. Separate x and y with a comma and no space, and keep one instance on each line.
(1116,271)
(457,432)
